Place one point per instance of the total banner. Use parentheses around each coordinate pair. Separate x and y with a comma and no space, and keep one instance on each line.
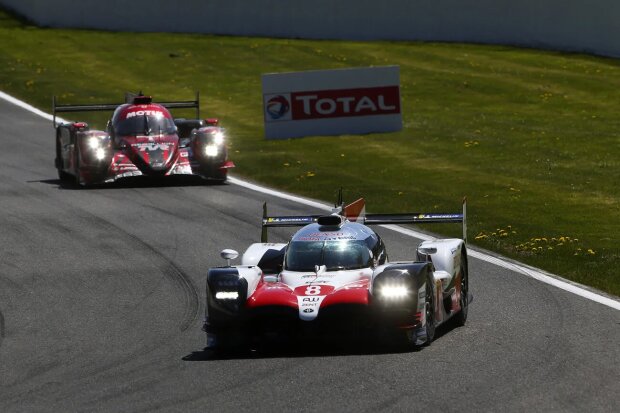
(332,102)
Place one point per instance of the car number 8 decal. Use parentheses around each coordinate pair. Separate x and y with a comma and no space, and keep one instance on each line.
(313,290)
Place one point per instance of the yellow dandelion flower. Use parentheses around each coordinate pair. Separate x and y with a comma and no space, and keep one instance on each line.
(309,173)
(591,252)
(286,164)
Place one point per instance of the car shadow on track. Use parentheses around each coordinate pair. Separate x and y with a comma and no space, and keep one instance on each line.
(134,182)
(324,348)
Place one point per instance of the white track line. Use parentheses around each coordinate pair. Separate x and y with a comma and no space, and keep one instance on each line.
(531,272)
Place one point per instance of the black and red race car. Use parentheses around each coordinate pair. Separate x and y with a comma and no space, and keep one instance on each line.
(141,138)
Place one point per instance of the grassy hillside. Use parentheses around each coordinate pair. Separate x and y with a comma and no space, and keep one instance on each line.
(530,137)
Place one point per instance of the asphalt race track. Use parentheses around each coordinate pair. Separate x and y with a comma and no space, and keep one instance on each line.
(102,295)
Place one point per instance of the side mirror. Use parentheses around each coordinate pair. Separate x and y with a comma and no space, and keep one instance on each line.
(427,252)
(228,255)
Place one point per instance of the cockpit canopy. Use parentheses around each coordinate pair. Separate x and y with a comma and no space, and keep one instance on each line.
(344,247)
(335,255)
(134,120)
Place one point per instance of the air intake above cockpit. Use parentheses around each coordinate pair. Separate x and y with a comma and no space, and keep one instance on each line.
(330,220)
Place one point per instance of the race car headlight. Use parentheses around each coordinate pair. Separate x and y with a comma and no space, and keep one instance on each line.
(211,150)
(394,291)
(218,138)
(93,143)
(99,153)
(227,295)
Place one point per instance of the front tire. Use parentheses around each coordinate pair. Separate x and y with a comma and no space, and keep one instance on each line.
(429,308)
(76,179)
(461,317)
(229,342)
(60,167)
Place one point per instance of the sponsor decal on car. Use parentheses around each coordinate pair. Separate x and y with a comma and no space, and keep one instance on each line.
(308,220)
(156,113)
(326,236)
(151,146)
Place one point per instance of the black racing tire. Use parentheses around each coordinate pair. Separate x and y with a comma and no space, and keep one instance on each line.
(231,343)
(76,163)
(218,181)
(62,175)
(429,308)
(460,318)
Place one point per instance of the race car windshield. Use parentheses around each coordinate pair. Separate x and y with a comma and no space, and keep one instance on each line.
(335,255)
(145,125)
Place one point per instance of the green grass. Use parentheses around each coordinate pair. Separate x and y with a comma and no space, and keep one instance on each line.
(532,138)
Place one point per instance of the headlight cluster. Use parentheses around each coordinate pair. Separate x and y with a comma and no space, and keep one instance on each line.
(227,288)
(95,144)
(394,292)
(214,148)
(394,286)
(227,295)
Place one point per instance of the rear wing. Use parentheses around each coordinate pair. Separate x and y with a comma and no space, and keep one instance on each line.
(355,212)
(129,97)
(420,218)
(284,221)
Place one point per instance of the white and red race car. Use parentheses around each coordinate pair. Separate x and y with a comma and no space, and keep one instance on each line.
(334,278)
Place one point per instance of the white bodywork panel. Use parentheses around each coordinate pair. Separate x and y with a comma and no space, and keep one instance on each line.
(252,275)
(446,259)
(255,252)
